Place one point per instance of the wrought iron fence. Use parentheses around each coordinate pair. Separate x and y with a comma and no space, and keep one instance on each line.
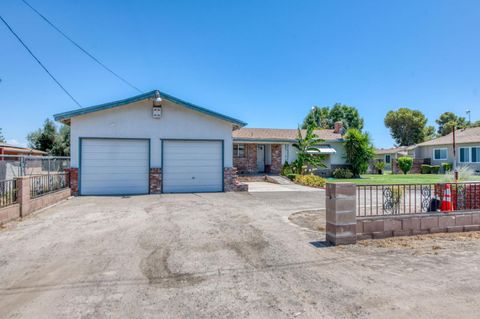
(395,199)
(8,192)
(45,184)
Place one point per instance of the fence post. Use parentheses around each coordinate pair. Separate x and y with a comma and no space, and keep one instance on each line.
(341,216)
(23,194)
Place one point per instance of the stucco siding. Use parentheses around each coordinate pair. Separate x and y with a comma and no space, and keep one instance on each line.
(427,152)
(136,121)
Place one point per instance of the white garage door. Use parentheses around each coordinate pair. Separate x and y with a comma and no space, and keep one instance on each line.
(192,166)
(114,167)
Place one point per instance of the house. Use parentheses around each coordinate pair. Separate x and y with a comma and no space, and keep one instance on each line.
(387,155)
(440,150)
(265,150)
(150,143)
(8,149)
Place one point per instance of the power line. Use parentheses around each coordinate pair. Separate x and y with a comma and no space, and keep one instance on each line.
(82,49)
(39,62)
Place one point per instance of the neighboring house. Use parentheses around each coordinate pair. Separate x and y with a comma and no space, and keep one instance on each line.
(10,166)
(8,149)
(265,150)
(150,143)
(387,155)
(440,150)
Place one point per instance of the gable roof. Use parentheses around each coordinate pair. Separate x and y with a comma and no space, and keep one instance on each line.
(394,150)
(19,149)
(66,116)
(279,135)
(468,135)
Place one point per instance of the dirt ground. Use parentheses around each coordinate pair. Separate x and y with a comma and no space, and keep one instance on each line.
(224,255)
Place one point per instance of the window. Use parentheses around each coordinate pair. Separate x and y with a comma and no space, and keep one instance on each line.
(388,158)
(238,150)
(440,154)
(464,155)
(475,154)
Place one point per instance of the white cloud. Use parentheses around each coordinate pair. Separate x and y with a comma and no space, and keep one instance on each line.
(16,143)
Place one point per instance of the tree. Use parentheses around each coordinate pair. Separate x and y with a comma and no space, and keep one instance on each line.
(405,164)
(325,118)
(317,117)
(448,120)
(348,115)
(49,140)
(429,133)
(359,151)
(2,138)
(407,126)
(307,147)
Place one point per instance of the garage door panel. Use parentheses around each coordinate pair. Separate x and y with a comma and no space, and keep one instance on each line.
(114,167)
(192,166)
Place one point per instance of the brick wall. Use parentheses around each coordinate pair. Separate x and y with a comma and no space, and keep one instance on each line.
(231,182)
(73,180)
(276,159)
(248,163)
(155,180)
(388,226)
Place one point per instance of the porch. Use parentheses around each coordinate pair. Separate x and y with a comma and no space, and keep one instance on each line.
(254,158)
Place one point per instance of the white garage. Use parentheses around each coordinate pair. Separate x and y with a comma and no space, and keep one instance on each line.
(192,166)
(149,144)
(114,166)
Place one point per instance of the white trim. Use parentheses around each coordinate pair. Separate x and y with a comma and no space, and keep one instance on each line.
(440,149)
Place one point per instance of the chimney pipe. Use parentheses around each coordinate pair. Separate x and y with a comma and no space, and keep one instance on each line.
(338,127)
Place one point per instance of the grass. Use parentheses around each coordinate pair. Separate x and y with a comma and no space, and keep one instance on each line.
(371,179)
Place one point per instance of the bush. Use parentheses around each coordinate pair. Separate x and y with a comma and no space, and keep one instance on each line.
(286,169)
(310,180)
(405,164)
(426,169)
(435,169)
(359,151)
(291,176)
(380,166)
(342,173)
(447,167)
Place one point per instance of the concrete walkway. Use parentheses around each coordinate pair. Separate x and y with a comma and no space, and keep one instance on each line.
(254,187)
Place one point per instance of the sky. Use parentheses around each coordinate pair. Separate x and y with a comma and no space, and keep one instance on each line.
(264,62)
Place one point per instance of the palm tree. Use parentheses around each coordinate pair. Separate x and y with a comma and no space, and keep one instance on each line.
(308,154)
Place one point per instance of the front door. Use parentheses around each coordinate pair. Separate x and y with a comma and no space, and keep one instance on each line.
(261,158)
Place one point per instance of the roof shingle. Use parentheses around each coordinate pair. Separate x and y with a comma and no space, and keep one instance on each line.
(273,134)
(468,135)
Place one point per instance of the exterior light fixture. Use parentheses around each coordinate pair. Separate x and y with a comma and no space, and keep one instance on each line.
(157,101)
(157,106)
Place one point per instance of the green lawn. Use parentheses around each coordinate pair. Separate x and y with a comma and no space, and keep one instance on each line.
(371,179)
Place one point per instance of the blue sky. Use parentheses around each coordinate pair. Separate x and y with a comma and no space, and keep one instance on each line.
(264,62)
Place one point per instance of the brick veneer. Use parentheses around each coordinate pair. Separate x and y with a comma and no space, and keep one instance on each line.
(276,167)
(155,179)
(388,226)
(73,180)
(230,181)
(248,163)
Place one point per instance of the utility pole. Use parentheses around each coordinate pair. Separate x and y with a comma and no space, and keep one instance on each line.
(469,120)
(455,171)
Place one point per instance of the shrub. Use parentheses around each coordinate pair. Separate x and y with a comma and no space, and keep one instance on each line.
(426,169)
(447,167)
(286,169)
(359,151)
(405,164)
(435,169)
(310,180)
(342,173)
(380,166)
(291,176)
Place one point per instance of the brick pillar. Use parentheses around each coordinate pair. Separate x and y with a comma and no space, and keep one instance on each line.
(276,159)
(23,194)
(155,180)
(341,214)
(73,180)
(230,181)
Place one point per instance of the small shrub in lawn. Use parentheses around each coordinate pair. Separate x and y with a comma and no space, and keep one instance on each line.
(435,169)
(380,166)
(447,167)
(426,169)
(342,173)
(405,164)
(310,180)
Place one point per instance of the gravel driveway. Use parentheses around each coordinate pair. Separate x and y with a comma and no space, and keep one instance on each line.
(221,255)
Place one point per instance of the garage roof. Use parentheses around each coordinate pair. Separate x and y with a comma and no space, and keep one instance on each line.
(66,116)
